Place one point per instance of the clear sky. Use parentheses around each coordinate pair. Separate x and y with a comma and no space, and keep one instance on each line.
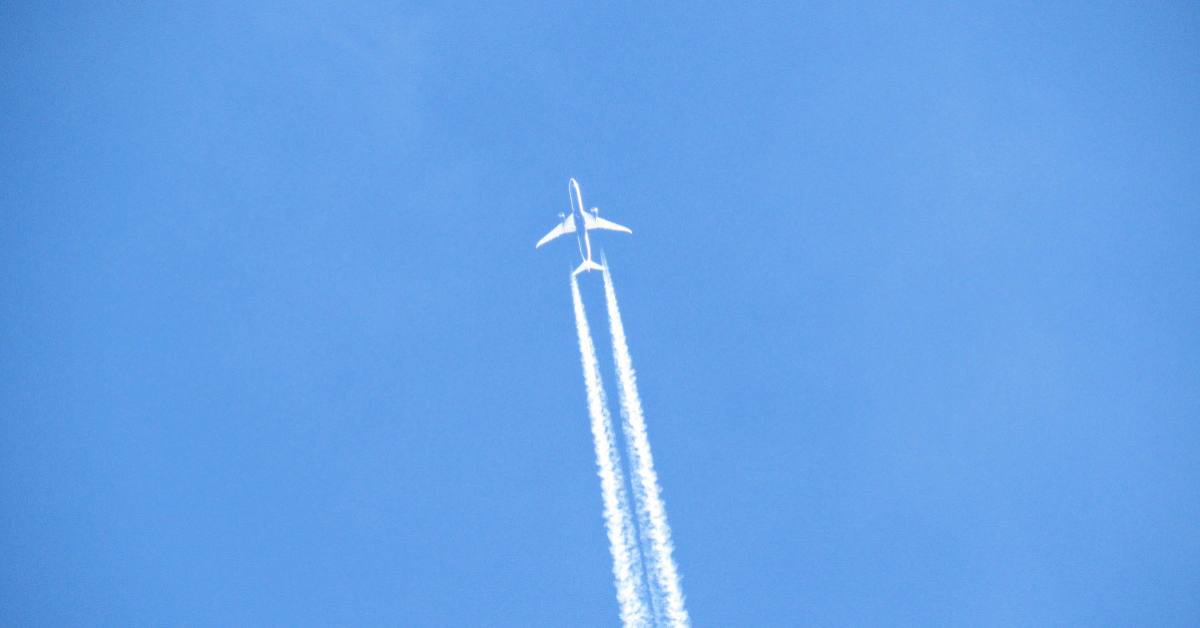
(913,294)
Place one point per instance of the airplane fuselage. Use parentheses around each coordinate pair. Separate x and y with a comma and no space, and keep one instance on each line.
(581,234)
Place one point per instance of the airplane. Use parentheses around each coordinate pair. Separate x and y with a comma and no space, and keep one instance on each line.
(589,220)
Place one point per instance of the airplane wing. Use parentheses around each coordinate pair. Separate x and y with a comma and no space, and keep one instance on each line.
(596,222)
(567,226)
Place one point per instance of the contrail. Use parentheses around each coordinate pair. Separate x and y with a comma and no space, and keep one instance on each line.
(652,515)
(618,520)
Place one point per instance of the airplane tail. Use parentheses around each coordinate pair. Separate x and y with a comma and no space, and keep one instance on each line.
(588,265)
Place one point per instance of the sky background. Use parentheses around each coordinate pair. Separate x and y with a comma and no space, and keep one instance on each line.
(913,295)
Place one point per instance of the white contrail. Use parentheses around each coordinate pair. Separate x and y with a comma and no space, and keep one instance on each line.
(652,515)
(618,519)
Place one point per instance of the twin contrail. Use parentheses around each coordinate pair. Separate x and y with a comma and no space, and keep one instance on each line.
(633,563)
(627,561)
(652,514)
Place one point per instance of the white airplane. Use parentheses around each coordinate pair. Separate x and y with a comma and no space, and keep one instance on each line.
(588,221)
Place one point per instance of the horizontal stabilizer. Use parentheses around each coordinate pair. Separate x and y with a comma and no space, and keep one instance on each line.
(587,265)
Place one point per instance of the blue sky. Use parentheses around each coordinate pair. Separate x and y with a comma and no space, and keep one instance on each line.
(912,295)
